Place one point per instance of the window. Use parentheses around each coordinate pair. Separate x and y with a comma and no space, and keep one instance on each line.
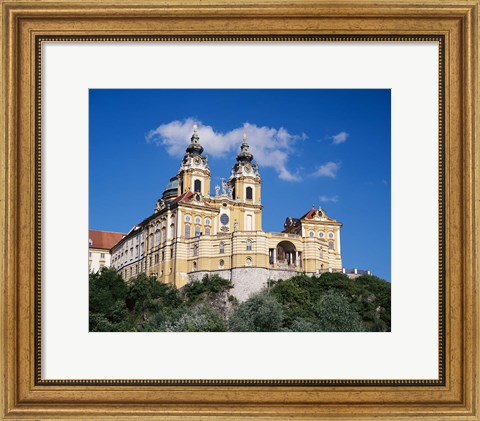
(156,258)
(187,218)
(248,261)
(102,255)
(249,222)
(164,234)
(249,245)
(249,193)
(163,256)
(194,265)
(171,254)
(172,230)
(221,264)
(197,186)
(321,234)
(150,261)
(187,231)
(157,237)
(224,219)
(89,254)
(330,235)
(331,245)
(207,231)
(311,233)
(197,220)
(222,248)
(197,231)
(207,221)
(195,250)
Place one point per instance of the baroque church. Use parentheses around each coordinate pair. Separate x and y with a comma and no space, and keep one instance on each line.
(193,232)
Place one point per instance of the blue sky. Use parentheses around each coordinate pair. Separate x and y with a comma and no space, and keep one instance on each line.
(328,148)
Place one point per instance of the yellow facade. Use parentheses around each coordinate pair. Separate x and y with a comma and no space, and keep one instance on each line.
(193,231)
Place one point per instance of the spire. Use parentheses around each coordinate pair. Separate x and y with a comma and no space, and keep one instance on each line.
(245,155)
(194,148)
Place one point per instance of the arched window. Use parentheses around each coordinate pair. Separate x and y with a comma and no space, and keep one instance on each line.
(197,186)
(164,234)
(172,231)
(221,264)
(249,245)
(249,193)
(207,231)
(157,237)
(331,245)
(197,231)
(222,247)
(187,231)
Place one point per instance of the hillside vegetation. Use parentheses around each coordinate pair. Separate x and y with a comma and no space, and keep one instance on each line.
(329,303)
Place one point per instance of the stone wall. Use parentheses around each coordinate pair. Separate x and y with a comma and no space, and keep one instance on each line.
(246,280)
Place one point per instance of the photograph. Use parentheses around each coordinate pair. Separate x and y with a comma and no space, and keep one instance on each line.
(229,209)
(239,210)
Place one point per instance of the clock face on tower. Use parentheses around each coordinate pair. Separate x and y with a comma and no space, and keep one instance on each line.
(248,169)
(196,161)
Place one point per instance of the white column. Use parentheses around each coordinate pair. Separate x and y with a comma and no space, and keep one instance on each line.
(274,255)
(297,263)
(338,241)
(179,223)
(167,227)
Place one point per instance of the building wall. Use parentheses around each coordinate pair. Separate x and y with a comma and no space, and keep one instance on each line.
(98,258)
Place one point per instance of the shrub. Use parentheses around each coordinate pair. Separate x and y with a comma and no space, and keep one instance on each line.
(260,313)
(336,314)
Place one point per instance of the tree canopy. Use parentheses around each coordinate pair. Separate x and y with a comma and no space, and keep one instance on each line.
(331,302)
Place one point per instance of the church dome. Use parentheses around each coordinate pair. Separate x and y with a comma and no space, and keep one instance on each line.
(171,190)
(245,155)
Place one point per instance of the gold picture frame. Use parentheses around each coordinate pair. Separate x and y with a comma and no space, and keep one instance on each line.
(26,24)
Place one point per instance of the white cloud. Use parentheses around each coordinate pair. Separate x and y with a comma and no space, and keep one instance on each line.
(325,199)
(270,147)
(329,169)
(339,138)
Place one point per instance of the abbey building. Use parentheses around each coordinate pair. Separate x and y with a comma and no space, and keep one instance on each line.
(193,231)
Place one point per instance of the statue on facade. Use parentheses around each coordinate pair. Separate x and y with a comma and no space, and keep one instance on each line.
(224,186)
(217,190)
(235,225)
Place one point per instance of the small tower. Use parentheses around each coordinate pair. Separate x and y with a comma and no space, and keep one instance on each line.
(245,183)
(194,172)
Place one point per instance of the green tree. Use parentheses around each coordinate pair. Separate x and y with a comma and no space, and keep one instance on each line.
(200,318)
(207,287)
(336,314)
(260,313)
(107,293)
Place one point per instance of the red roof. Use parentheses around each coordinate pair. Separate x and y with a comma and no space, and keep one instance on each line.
(311,213)
(104,239)
(185,197)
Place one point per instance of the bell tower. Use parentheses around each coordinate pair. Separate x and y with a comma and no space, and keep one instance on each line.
(245,183)
(194,172)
